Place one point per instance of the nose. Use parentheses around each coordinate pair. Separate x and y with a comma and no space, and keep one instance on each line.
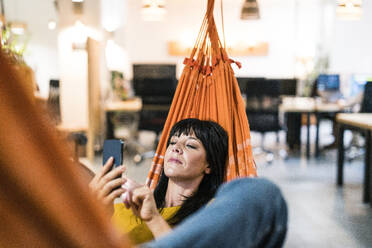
(176,149)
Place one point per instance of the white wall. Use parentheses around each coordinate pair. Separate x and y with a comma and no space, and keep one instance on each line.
(41,53)
(292,28)
(351,50)
(147,41)
(73,63)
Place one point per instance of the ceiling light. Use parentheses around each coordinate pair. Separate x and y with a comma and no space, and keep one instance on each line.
(250,10)
(18,28)
(349,9)
(52,24)
(153,10)
(77,7)
(112,14)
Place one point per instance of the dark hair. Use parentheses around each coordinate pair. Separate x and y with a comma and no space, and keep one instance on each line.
(215,141)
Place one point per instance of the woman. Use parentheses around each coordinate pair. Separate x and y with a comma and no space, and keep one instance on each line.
(194,168)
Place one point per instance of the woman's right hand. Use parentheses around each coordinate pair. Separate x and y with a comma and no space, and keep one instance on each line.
(106,184)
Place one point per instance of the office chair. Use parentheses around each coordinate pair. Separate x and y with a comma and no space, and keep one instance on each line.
(156,85)
(327,87)
(356,147)
(366,106)
(291,122)
(53,102)
(263,99)
(288,87)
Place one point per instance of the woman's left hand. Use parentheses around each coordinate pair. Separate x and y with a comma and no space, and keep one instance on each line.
(143,203)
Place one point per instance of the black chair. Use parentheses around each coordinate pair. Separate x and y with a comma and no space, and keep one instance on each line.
(288,87)
(366,106)
(327,87)
(156,85)
(53,102)
(356,148)
(263,99)
(291,121)
(244,82)
(157,95)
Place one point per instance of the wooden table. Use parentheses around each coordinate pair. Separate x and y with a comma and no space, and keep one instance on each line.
(133,105)
(362,122)
(308,106)
(300,105)
(68,130)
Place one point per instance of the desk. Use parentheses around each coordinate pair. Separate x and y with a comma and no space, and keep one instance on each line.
(71,131)
(361,121)
(133,105)
(300,105)
(308,106)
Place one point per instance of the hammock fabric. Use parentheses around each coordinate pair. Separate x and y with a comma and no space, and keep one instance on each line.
(44,201)
(208,90)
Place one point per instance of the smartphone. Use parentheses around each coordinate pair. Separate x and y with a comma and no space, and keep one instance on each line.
(113,148)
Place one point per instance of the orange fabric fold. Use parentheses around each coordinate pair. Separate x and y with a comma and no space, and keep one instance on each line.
(44,200)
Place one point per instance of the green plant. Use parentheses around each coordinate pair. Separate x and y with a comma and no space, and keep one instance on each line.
(321,66)
(13,44)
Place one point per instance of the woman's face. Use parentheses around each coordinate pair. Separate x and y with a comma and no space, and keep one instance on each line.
(185,158)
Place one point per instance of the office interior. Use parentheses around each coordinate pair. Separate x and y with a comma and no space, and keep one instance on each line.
(104,69)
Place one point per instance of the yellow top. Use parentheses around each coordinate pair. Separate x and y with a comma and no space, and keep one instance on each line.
(134,227)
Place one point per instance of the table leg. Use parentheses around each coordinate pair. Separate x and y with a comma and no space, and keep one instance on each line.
(109,126)
(340,156)
(293,137)
(317,135)
(367,169)
(308,136)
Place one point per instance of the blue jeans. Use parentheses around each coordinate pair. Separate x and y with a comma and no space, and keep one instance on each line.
(248,212)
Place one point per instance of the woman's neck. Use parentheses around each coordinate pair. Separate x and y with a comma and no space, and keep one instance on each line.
(177,191)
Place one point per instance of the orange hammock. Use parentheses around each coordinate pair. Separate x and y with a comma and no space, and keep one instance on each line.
(44,200)
(208,90)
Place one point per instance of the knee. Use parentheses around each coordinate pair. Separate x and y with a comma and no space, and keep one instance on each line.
(258,190)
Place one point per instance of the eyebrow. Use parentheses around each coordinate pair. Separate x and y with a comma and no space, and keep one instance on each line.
(196,139)
(189,137)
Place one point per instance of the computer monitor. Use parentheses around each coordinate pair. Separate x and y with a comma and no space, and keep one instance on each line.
(328,82)
(328,87)
(357,83)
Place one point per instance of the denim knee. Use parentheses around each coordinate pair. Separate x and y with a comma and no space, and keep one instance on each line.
(258,188)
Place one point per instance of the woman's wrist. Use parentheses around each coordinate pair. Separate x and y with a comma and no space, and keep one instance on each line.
(156,218)
(158,226)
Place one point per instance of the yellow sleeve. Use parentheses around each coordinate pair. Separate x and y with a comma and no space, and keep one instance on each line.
(128,223)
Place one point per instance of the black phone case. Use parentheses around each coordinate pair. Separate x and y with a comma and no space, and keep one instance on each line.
(113,148)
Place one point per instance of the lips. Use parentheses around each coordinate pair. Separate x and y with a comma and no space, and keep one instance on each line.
(174,160)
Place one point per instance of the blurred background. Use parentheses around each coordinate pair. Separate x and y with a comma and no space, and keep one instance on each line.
(109,68)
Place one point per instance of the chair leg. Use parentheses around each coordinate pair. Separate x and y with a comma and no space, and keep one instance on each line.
(269,154)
